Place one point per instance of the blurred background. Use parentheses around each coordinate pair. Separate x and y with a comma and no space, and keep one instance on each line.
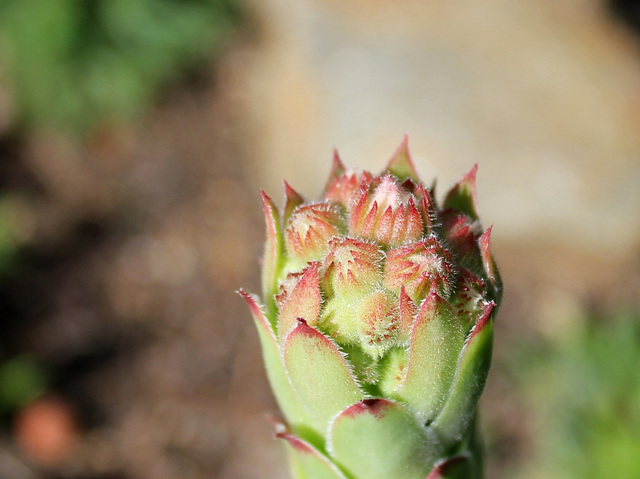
(135,135)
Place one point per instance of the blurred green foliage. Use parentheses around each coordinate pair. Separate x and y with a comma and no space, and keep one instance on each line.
(585,394)
(74,63)
(12,222)
(6,240)
(22,379)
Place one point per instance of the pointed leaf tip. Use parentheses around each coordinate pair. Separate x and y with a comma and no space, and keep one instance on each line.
(273,252)
(337,165)
(286,397)
(303,302)
(337,169)
(463,197)
(256,311)
(290,192)
(296,443)
(490,267)
(485,248)
(483,320)
(401,165)
(292,199)
(308,460)
(458,467)
(266,199)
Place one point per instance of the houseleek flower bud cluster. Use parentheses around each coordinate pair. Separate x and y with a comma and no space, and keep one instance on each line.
(377,324)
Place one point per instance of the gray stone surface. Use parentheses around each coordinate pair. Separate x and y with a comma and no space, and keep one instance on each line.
(545,96)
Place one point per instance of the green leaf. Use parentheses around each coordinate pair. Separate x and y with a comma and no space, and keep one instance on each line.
(337,169)
(489,265)
(392,371)
(319,374)
(273,255)
(292,201)
(401,165)
(463,196)
(436,341)
(307,462)
(303,302)
(286,397)
(471,375)
(380,439)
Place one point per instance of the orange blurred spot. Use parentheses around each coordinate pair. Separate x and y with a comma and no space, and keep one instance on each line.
(46,431)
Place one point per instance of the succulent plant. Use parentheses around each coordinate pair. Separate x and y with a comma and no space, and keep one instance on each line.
(377,324)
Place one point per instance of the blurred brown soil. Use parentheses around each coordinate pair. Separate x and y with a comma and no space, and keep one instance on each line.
(124,290)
